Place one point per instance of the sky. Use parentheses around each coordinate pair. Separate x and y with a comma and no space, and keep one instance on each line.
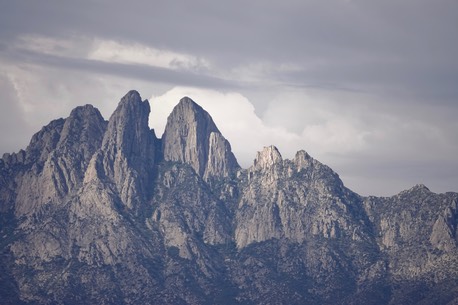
(368,87)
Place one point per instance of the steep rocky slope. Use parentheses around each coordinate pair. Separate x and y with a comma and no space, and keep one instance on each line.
(97,212)
(192,137)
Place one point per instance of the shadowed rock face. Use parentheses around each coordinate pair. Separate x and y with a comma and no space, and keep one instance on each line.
(127,154)
(97,212)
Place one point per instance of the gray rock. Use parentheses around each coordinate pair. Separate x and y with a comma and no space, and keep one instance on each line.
(192,137)
(126,157)
(97,212)
(56,160)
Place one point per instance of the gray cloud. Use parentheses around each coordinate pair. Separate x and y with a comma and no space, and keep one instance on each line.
(143,72)
(363,63)
(14,130)
(354,44)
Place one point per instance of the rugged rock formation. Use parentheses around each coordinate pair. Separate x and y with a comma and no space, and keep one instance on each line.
(53,165)
(416,230)
(192,137)
(97,212)
(127,154)
(297,200)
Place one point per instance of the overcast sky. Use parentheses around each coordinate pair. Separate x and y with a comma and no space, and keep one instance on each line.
(369,88)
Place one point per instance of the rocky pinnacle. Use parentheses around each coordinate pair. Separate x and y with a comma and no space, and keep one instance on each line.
(192,137)
(97,212)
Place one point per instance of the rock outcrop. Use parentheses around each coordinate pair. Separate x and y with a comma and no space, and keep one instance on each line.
(127,153)
(97,212)
(297,200)
(192,137)
(55,161)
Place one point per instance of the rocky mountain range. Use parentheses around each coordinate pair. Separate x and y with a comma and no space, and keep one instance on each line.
(105,212)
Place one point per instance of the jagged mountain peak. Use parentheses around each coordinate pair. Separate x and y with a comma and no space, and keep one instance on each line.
(188,112)
(270,156)
(128,124)
(131,104)
(419,187)
(84,110)
(128,151)
(131,97)
(267,157)
(92,213)
(416,189)
(83,125)
(302,155)
(302,159)
(187,102)
(86,113)
(192,137)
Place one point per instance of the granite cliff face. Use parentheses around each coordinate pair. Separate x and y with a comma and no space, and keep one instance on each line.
(192,137)
(97,212)
(127,154)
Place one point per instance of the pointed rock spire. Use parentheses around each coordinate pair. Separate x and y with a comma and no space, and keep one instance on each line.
(267,157)
(128,150)
(192,137)
(128,128)
(83,130)
(302,159)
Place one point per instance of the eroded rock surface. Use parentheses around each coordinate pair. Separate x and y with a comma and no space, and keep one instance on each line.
(192,137)
(97,212)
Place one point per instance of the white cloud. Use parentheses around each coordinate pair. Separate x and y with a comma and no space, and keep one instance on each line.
(110,51)
(319,130)
(136,53)
(323,124)
(233,114)
(413,121)
(376,149)
(39,94)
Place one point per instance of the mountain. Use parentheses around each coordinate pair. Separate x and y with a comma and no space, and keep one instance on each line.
(192,137)
(105,212)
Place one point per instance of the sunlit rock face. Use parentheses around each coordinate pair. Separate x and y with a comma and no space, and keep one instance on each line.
(192,137)
(104,212)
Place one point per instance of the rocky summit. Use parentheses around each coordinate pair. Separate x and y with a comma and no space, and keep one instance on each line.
(97,212)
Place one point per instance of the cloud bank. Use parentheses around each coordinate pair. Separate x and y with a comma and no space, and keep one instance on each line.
(350,136)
